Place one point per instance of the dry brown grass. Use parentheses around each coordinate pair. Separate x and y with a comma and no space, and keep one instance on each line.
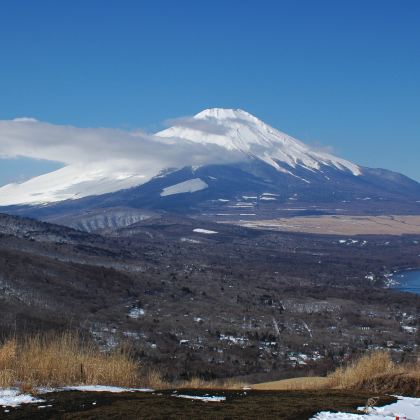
(152,378)
(294,384)
(198,383)
(373,372)
(376,372)
(342,225)
(7,359)
(63,359)
(367,367)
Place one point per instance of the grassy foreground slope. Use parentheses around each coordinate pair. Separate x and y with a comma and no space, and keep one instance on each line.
(374,372)
(66,359)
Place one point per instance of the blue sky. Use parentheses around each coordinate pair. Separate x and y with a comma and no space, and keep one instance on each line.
(344,74)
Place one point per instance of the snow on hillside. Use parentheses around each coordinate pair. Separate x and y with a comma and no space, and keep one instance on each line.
(190,186)
(70,182)
(204,231)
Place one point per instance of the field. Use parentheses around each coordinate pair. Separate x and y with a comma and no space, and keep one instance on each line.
(343,225)
(303,383)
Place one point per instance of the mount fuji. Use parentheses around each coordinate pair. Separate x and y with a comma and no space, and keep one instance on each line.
(240,131)
(222,164)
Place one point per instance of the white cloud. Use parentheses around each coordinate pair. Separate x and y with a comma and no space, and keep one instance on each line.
(71,145)
(208,125)
(97,160)
(25,119)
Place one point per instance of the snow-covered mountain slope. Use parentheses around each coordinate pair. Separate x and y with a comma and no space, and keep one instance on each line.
(235,129)
(214,136)
(70,182)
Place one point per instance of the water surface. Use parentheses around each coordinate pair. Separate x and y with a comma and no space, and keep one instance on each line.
(408,281)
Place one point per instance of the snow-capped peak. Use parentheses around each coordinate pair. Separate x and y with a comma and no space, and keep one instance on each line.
(235,129)
(226,113)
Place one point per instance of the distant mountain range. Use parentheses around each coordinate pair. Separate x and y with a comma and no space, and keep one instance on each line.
(232,166)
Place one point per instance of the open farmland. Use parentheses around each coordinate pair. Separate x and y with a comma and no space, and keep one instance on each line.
(342,225)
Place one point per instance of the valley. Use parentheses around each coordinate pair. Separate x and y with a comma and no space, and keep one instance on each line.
(195,298)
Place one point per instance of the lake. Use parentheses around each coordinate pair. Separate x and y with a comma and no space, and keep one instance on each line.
(408,281)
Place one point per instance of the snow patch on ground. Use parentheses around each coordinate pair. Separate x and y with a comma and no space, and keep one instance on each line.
(206,398)
(205,231)
(190,186)
(136,313)
(405,408)
(268,198)
(13,398)
(189,240)
(103,388)
(326,415)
